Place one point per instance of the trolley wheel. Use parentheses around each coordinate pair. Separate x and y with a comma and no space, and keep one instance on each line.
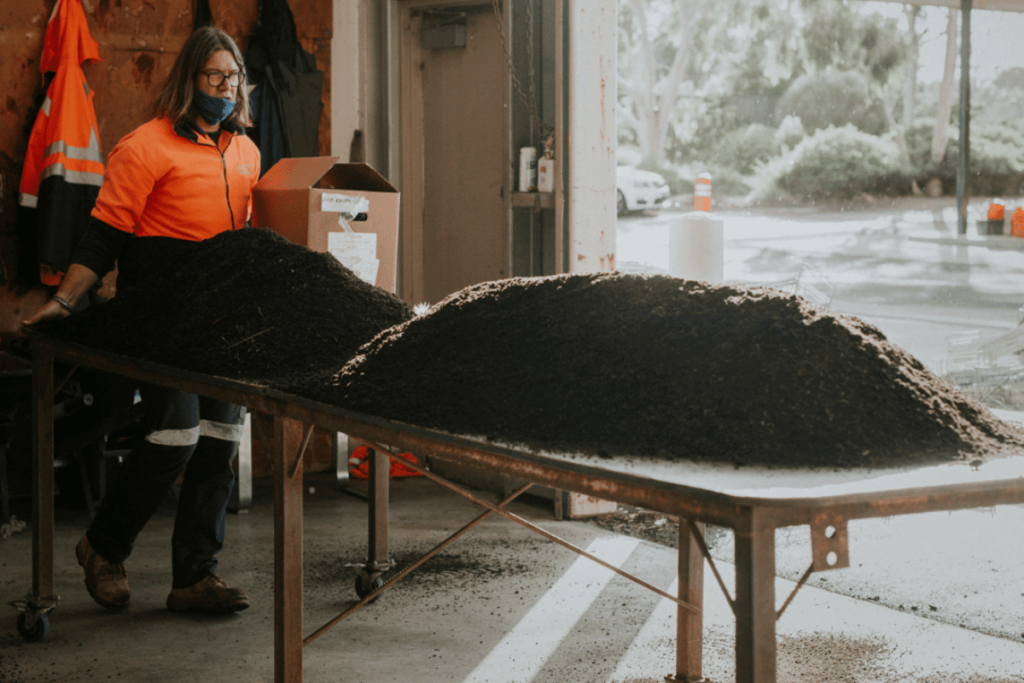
(35,632)
(367,583)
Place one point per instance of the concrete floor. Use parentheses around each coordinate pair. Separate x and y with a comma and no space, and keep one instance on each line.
(505,605)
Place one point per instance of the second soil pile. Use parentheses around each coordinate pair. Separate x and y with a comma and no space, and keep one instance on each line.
(668,368)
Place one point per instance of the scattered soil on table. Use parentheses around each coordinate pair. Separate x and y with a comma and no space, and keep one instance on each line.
(654,366)
(643,524)
(653,527)
(248,305)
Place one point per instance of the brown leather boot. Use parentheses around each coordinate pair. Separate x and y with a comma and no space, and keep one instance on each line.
(209,595)
(106,581)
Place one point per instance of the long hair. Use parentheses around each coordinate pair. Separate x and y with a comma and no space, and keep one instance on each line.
(178,92)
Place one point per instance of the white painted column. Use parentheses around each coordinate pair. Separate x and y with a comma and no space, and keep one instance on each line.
(590,136)
(346,83)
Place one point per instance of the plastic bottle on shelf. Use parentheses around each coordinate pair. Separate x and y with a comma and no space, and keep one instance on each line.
(528,169)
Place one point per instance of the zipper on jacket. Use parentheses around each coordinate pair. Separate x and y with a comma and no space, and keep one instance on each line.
(224,171)
(227,187)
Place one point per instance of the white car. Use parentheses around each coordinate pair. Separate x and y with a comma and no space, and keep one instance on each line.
(637,189)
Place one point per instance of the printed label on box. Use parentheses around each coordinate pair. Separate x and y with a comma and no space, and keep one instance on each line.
(348,204)
(357,251)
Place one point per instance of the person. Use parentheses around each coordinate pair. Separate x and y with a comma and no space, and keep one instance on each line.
(184,176)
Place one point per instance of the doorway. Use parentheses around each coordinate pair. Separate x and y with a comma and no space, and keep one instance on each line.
(454,148)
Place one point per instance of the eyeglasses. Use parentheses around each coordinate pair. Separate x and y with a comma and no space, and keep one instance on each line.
(216,78)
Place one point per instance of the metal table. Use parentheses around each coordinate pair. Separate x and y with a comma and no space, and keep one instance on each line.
(712,495)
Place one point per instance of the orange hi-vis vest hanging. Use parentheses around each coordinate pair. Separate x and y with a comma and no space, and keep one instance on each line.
(64,162)
(359,465)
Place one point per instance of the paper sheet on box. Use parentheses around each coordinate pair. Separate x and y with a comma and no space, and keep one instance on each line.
(357,251)
(346,204)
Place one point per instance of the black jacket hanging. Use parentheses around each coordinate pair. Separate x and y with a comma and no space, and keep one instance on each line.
(286,102)
(203,15)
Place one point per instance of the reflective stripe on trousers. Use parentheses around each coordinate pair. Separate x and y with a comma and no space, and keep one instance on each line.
(190,437)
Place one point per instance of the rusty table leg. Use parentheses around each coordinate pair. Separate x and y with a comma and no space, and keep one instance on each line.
(689,624)
(287,550)
(755,606)
(42,476)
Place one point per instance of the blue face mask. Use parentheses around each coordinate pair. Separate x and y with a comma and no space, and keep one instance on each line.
(213,109)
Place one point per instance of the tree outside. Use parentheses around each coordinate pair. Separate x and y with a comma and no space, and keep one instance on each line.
(746,90)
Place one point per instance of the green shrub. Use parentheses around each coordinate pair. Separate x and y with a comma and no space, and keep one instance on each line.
(744,148)
(836,163)
(789,133)
(833,98)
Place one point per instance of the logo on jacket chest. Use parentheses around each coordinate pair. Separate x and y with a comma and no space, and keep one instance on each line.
(246,169)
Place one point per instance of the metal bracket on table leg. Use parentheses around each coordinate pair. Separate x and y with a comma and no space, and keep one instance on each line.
(33,616)
(377,567)
(829,548)
(40,605)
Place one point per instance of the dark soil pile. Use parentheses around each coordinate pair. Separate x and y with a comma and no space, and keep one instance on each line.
(661,367)
(247,305)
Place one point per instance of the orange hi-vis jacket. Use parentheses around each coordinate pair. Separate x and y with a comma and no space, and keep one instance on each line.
(164,181)
(359,465)
(63,168)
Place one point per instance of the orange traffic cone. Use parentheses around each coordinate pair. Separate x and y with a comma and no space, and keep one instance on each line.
(702,192)
(1018,222)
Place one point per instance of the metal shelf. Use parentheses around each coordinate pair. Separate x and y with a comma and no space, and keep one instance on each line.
(534,200)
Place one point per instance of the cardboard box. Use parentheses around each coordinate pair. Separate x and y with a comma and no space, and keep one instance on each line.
(305,199)
(310,200)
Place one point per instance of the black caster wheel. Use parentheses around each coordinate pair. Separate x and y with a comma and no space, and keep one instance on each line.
(37,631)
(366,584)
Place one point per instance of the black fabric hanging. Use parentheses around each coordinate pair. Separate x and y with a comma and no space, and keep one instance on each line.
(286,101)
(203,16)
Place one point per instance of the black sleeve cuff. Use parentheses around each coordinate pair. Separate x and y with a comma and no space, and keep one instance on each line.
(100,246)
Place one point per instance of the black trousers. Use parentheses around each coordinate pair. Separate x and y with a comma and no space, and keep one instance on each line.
(183,432)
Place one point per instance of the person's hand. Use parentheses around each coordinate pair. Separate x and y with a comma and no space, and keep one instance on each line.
(51,310)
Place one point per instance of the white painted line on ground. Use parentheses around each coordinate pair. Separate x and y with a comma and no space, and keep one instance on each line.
(524,651)
(646,654)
